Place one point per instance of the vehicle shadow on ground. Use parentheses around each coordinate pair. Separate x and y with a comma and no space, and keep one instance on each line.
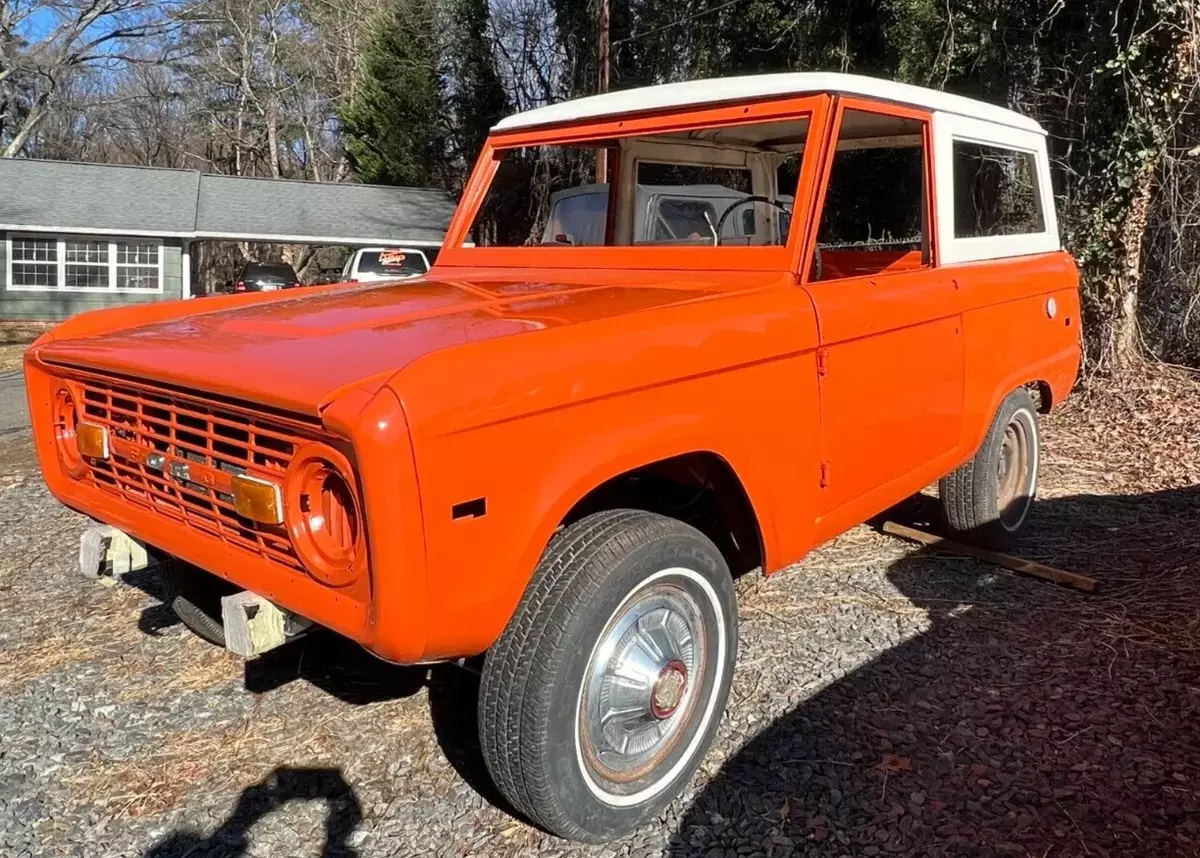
(1029,719)
(283,785)
(344,670)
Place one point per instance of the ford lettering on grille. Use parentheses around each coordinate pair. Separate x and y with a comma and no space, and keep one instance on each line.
(176,454)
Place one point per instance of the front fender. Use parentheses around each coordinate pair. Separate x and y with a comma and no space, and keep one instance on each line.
(530,472)
(396,626)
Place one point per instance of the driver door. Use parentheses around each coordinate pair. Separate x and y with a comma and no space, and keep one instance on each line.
(891,359)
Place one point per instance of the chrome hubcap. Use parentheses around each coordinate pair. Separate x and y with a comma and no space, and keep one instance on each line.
(638,692)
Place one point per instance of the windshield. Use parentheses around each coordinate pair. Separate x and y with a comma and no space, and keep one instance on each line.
(392,263)
(725,185)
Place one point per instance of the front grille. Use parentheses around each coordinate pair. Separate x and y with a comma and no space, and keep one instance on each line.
(217,438)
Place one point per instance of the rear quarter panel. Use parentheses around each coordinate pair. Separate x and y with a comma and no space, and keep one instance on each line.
(1011,338)
(550,415)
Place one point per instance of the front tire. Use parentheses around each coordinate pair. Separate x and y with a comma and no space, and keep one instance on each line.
(987,500)
(604,692)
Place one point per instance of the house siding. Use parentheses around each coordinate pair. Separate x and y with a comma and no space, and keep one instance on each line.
(54,306)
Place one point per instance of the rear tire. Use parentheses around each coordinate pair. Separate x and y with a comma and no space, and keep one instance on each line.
(604,692)
(987,500)
(195,596)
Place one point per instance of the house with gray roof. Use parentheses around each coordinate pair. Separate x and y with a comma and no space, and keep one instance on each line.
(77,237)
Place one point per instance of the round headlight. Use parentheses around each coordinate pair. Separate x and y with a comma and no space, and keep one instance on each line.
(64,419)
(322,515)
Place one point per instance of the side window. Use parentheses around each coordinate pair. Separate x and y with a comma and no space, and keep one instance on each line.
(995,192)
(578,218)
(874,214)
(748,224)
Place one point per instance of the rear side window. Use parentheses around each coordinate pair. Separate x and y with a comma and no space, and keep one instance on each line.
(996,192)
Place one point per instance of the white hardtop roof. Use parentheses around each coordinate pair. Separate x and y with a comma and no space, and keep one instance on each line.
(697,93)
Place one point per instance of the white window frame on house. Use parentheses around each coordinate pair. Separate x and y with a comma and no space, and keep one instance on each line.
(111,242)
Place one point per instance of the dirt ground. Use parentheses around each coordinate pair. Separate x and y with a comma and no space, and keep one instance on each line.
(888,701)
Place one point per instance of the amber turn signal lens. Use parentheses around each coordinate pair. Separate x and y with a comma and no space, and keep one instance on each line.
(92,440)
(257,500)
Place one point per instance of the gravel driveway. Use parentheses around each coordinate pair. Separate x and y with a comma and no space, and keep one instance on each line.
(14,410)
(887,702)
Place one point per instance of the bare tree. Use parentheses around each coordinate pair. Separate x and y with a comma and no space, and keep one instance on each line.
(44,42)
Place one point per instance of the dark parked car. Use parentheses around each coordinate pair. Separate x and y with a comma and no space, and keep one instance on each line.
(329,275)
(265,277)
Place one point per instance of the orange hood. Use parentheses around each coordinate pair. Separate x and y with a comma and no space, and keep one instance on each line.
(298,350)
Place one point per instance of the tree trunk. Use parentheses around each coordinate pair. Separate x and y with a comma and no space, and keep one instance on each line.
(1124,344)
(298,256)
(273,134)
(32,121)
(239,125)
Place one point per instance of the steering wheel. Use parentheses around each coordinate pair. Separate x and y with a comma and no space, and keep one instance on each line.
(753,198)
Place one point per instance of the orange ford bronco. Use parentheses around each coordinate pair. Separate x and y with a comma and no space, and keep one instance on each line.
(674,334)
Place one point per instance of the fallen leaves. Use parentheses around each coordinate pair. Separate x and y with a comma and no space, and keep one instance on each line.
(893,763)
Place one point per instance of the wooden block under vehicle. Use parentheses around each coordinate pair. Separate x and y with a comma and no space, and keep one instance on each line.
(105,553)
(253,624)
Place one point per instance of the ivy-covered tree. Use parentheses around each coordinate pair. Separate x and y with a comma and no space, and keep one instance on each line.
(396,127)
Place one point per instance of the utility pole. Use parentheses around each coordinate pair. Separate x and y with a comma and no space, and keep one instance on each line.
(602,85)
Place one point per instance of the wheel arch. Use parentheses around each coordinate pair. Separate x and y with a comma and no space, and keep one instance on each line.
(568,495)
(1051,379)
(699,487)
(1046,398)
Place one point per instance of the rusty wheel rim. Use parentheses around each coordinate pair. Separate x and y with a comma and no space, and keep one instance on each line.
(650,687)
(1014,473)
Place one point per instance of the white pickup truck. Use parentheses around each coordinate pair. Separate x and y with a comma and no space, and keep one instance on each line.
(373,264)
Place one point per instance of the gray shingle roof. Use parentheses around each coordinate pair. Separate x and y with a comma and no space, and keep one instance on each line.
(230,204)
(69,196)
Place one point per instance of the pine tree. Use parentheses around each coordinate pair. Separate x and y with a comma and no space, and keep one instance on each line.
(396,127)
